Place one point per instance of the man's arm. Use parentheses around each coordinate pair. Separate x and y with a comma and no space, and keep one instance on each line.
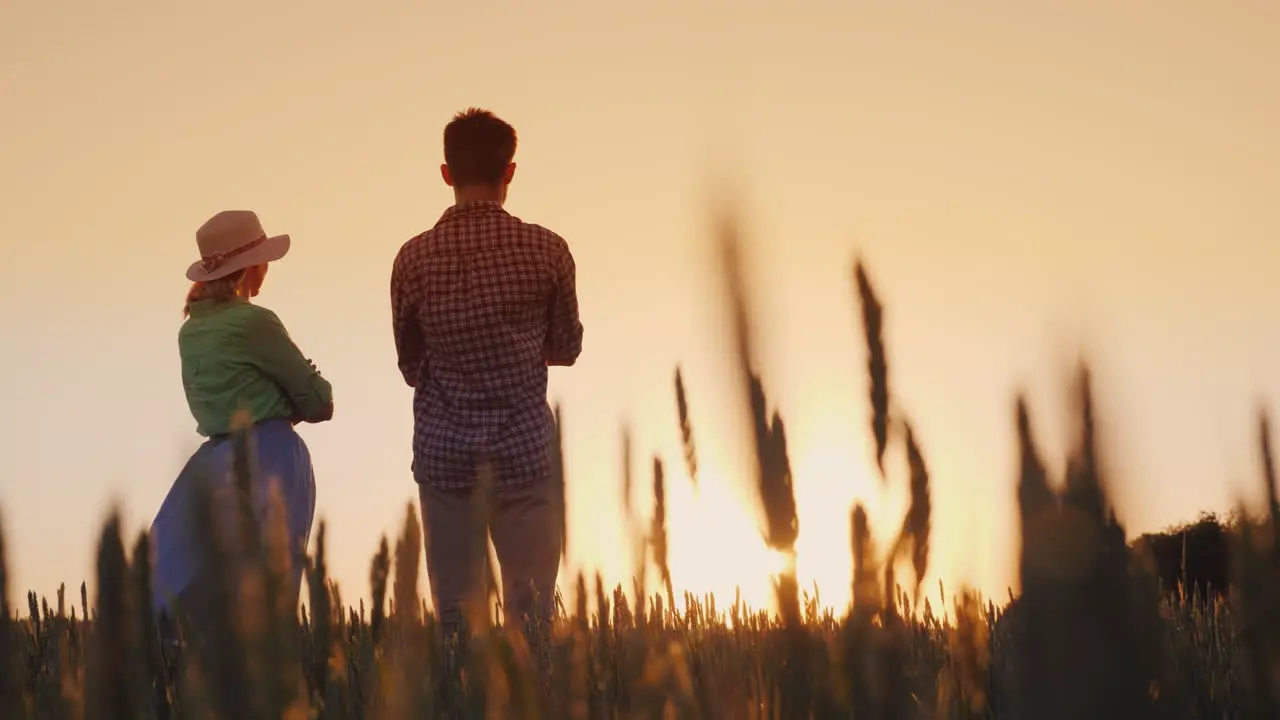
(275,354)
(404,317)
(564,329)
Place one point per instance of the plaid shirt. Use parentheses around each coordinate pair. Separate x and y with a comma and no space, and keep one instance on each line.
(481,305)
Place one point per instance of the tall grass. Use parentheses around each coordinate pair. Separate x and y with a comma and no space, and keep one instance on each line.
(1091,636)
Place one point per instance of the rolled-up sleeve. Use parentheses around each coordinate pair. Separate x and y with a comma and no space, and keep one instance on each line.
(564,329)
(276,355)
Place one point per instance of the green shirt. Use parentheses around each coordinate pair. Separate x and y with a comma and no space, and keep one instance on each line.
(237,357)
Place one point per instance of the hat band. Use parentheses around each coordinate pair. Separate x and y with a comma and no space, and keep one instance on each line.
(216,260)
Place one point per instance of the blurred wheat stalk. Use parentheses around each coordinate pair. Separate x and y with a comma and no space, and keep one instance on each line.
(1091,636)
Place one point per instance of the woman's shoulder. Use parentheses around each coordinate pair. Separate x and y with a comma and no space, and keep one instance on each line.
(258,320)
(238,316)
(257,313)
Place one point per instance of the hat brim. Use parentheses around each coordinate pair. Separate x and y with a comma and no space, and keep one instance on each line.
(272,249)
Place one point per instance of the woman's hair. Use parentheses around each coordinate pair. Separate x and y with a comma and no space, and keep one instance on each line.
(225,288)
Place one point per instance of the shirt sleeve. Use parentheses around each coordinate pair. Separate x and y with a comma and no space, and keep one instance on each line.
(275,353)
(404,319)
(564,329)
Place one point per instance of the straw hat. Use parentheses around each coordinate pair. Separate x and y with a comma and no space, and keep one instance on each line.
(233,240)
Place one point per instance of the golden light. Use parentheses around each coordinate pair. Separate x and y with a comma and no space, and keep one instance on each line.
(716,546)
(715,540)
(778,563)
(829,477)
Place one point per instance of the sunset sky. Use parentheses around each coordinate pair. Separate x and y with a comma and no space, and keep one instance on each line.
(1027,181)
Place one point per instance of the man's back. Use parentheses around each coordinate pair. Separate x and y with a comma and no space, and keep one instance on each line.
(482,303)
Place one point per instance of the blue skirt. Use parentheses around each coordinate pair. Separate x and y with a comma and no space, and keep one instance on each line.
(281,458)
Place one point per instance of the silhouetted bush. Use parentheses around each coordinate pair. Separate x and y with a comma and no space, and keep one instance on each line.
(1196,556)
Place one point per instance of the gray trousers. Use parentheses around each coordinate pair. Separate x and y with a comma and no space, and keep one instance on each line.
(524,525)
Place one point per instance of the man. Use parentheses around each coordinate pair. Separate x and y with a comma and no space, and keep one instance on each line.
(482,304)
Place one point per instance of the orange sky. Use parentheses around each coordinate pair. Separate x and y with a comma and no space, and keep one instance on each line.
(1025,178)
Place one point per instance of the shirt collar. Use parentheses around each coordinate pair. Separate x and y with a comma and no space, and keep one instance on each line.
(471,208)
(208,306)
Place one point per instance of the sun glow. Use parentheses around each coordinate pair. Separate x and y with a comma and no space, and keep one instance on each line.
(778,563)
(716,544)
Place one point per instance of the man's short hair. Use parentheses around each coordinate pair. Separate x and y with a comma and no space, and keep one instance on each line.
(478,146)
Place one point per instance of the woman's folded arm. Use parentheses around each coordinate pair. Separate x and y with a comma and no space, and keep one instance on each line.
(280,359)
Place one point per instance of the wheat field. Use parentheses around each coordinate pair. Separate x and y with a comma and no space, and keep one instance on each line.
(1093,633)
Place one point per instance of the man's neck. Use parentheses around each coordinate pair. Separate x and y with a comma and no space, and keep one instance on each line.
(477,194)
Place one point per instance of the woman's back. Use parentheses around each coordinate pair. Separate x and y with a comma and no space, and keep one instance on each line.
(240,367)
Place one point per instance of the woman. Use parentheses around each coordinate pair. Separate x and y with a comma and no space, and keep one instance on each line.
(240,370)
